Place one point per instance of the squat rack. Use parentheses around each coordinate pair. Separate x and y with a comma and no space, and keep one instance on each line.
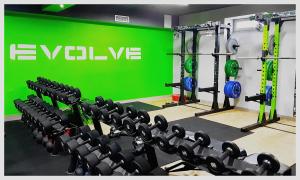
(209,26)
(278,19)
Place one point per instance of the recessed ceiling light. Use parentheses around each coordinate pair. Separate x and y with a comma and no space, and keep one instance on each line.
(61,5)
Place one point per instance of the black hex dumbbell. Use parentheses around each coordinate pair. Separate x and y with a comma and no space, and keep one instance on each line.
(116,118)
(186,151)
(216,163)
(100,143)
(268,165)
(110,150)
(82,130)
(144,130)
(90,137)
(163,142)
(130,124)
(124,158)
(105,113)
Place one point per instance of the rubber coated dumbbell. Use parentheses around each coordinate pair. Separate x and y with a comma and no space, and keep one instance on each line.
(216,163)
(186,151)
(163,142)
(86,108)
(111,150)
(96,108)
(73,144)
(268,165)
(116,118)
(140,166)
(124,159)
(100,144)
(105,114)
(144,130)
(100,102)
(130,124)
(82,130)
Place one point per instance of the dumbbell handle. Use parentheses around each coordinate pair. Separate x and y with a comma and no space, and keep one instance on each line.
(84,142)
(124,115)
(224,155)
(262,168)
(118,164)
(138,119)
(153,126)
(113,110)
(196,143)
(171,136)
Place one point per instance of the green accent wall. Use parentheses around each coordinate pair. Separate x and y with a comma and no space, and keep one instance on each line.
(120,79)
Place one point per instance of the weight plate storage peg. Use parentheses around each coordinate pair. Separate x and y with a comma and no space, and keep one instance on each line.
(231,68)
(269,69)
(232,89)
(232,46)
(189,83)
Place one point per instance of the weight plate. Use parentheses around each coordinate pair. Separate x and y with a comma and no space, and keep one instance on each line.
(269,69)
(232,46)
(271,45)
(231,68)
(268,95)
(232,89)
(188,65)
(189,83)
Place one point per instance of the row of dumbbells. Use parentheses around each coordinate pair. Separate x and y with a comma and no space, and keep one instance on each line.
(57,91)
(95,154)
(45,121)
(130,121)
(230,159)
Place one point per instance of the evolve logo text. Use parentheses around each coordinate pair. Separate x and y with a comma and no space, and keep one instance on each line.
(29,52)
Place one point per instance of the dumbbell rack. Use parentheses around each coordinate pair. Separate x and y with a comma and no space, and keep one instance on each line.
(77,120)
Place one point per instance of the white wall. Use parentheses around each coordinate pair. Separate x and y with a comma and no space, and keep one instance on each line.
(250,42)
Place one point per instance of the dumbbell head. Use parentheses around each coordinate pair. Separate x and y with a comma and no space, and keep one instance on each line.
(86,108)
(116,119)
(143,116)
(273,164)
(161,122)
(95,111)
(124,158)
(99,101)
(132,112)
(178,130)
(129,126)
(77,92)
(234,150)
(141,166)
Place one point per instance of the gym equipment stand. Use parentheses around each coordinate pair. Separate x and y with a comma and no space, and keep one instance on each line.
(214,89)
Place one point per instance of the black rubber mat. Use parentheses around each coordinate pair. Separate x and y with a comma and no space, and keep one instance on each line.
(215,130)
(23,156)
(140,105)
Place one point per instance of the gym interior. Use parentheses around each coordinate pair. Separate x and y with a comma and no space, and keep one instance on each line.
(150,89)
